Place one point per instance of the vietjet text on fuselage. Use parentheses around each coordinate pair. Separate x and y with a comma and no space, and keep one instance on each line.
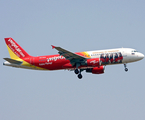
(89,61)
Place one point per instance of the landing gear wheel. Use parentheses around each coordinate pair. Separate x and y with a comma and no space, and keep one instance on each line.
(126,69)
(76,71)
(80,76)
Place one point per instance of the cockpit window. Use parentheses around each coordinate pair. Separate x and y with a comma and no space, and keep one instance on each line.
(134,51)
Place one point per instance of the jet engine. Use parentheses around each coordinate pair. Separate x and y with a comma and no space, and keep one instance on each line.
(96,70)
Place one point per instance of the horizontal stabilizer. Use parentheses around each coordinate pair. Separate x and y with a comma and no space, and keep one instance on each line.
(13,61)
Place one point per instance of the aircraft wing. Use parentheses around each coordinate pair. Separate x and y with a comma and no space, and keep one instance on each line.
(69,55)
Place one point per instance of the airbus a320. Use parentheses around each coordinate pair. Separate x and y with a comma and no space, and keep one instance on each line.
(90,61)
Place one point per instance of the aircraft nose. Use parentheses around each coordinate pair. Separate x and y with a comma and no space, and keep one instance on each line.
(141,56)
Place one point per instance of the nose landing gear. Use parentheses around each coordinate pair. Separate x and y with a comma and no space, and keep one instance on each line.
(126,69)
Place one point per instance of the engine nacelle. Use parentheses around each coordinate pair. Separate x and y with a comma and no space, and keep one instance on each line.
(94,62)
(96,70)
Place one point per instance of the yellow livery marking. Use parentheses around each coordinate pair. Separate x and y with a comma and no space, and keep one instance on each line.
(86,54)
(12,54)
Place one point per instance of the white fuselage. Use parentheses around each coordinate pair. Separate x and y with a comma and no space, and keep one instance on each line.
(129,55)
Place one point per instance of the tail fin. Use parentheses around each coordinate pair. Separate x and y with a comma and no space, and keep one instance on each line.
(15,50)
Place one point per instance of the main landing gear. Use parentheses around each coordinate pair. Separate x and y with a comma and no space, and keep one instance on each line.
(80,76)
(126,69)
(76,71)
(79,73)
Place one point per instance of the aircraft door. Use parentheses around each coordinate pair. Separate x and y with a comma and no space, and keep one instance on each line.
(32,61)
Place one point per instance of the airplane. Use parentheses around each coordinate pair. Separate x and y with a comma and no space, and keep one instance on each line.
(90,61)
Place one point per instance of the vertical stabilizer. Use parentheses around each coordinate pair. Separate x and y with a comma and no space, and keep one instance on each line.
(15,50)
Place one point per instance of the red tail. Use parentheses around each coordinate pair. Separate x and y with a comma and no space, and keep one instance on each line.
(15,48)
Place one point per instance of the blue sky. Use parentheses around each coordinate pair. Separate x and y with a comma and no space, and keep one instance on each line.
(75,26)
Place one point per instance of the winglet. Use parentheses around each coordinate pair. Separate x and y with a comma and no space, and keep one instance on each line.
(53,46)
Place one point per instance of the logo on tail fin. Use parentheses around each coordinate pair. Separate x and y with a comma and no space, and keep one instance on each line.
(13,44)
(16,48)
